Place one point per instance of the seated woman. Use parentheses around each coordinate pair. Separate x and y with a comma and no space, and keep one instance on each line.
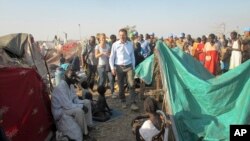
(154,128)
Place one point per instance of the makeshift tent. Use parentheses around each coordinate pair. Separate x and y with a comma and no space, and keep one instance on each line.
(202,106)
(69,50)
(25,105)
(21,50)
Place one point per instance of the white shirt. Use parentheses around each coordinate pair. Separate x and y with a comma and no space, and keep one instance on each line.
(148,131)
(122,54)
(103,60)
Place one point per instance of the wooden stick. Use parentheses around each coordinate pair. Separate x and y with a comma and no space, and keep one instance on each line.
(167,104)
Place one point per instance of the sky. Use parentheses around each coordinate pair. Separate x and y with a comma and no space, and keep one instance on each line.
(82,18)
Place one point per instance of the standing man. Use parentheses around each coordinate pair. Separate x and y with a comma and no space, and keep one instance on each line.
(110,75)
(144,46)
(122,63)
(137,49)
(152,42)
(89,60)
(246,45)
(112,40)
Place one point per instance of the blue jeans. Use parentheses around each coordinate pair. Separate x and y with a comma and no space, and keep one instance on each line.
(111,81)
(102,75)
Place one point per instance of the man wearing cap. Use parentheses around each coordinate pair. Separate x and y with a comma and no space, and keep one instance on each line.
(152,42)
(246,45)
(72,115)
(144,46)
(122,64)
(137,49)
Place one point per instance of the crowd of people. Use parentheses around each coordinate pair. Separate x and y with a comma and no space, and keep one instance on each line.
(218,54)
(117,59)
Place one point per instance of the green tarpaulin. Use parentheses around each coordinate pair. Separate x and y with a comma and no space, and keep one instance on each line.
(203,106)
(145,70)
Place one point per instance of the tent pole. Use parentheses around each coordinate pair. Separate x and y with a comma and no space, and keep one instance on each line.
(46,65)
(50,83)
(166,97)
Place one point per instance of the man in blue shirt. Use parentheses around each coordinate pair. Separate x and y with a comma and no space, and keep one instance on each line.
(144,46)
(122,64)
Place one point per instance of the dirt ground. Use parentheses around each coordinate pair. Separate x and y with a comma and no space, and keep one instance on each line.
(120,128)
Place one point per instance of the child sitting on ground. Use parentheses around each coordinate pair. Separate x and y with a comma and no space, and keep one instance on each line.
(152,128)
(154,121)
(101,111)
(86,93)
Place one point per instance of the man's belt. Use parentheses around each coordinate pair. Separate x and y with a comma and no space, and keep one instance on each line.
(125,66)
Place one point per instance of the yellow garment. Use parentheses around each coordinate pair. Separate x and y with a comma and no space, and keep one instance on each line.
(116,87)
(180,44)
(195,45)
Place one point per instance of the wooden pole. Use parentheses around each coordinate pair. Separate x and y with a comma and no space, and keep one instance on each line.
(167,104)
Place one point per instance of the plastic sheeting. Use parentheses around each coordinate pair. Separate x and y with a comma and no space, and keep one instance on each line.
(15,43)
(23,53)
(145,70)
(203,106)
(25,105)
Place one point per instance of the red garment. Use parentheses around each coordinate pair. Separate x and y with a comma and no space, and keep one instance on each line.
(69,46)
(199,53)
(211,61)
(25,105)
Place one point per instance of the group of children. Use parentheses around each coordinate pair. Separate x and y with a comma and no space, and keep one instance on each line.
(101,112)
(100,109)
